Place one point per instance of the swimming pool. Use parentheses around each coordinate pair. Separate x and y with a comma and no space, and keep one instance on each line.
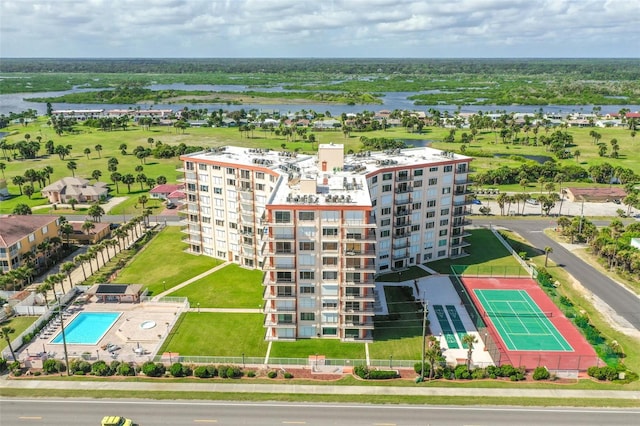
(87,328)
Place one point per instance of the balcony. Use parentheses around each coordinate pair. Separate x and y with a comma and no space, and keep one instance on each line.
(467,191)
(461,243)
(402,201)
(401,222)
(360,267)
(268,266)
(360,237)
(398,256)
(466,202)
(190,239)
(360,298)
(463,180)
(404,189)
(460,234)
(278,253)
(280,295)
(403,212)
(357,311)
(360,253)
(276,323)
(359,324)
(404,178)
(464,222)
(461,212)
(284,237)
(403,243)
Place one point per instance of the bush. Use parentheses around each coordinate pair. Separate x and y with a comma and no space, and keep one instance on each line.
(177,370)
(461,372)
(229,372)
(3,364)
(603,373)
(79,366)
(478,373)
(100,368)
(272,374)
(364,373)
(564,300)
(51,366)
(125,369)
(251,373)
(288,375)
(152,369)
(201,372)
(541,373)
(213,371)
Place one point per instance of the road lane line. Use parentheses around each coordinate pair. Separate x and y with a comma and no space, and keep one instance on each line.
(30,418)
(205,421)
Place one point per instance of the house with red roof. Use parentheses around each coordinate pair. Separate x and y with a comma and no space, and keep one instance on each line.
(168,191)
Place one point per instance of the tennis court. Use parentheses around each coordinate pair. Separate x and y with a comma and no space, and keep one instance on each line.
(522,325)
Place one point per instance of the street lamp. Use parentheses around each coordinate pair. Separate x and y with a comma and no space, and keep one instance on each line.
(242,359)
(198,304)
(390,361)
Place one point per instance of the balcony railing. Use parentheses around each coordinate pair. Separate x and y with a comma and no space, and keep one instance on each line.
(404,189)
(406,178)
(403,201)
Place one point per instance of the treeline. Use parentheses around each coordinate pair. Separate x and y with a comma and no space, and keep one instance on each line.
(598,69)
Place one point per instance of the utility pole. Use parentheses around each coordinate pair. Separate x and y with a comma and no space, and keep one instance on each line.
(425,305)
(64,337)
(581,217)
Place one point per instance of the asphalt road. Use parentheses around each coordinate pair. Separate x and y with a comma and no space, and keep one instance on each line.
(625,303)
(149,413)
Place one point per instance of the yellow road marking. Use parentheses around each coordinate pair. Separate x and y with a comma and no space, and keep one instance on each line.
(205,421)
(30,418)
(294,423)
(384,424)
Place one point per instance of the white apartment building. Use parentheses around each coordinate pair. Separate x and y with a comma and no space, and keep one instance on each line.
(321,227)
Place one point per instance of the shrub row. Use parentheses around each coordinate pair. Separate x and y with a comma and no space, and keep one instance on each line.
(461,372)
(366,373)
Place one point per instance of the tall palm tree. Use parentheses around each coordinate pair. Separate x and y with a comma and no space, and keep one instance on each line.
(66,229)
(80,259)
(67,268)
(43,289)
(73,166)
(59,278)
(5,333)
(547,250)
(469,340)
(100,248)
(433,354)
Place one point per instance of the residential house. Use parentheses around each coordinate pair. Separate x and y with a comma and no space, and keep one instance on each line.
(65,189)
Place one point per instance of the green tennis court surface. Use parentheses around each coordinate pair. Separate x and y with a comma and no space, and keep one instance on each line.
(520,322)
(457,323)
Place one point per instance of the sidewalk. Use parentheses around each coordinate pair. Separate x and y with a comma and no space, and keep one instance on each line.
(284,388)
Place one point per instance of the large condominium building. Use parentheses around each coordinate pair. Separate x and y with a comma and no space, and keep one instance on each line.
(321,227)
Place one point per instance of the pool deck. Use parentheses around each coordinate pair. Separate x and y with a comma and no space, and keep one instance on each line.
(135,343)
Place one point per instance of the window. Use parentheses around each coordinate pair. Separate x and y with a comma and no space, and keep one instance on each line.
(446,190)
(219,222)
(283,217)
(430,225)
(442,232)
(442,253)
(307,289)
(386,210)
(231,182)
(433,181)
(431,203)
(374,179)
(330,261)
(307,316)
(329,275)
(442,243)
(260,186)
(307,245)
(430,213)
(385,222)
(231,171)
(448,169)
(284,277)
(329,246)
(417,184)
(204,188)
(306,260)
(387,176)
(32,237)
(330,232)
(417,206)
(214,167)
(306,216)
(386,188)
(307,275)
(433,169)
(415,227)
(245,174)
(444,222)
(259,175)
(45,229)
(444,212)
(385,233)
(217,190)
(283,247)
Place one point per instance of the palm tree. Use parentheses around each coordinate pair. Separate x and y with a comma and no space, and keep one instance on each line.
(87,151)
(66,229)
(433,354)
(98,148)
(547,250)
(67,268)
(469,340)
(115,178)
(87,226)
(72,165)
(5,333)
(96,212)
(143,199)
(43,289)
(3,167)
(96,174)
(91,254)
(80,259)
(100,248)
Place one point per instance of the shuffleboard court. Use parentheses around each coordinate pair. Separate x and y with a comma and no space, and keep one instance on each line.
(522,325)
(450,338)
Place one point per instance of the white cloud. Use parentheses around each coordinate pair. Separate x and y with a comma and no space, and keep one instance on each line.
(358,28)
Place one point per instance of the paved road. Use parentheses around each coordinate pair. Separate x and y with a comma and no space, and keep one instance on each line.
(149,413)
(622,301)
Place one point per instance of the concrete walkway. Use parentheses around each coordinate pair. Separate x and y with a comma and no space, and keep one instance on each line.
(189,281)
(429,270)
(417,390)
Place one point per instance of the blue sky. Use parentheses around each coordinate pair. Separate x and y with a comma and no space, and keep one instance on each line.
(320,28)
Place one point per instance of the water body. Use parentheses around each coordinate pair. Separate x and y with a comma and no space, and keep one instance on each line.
(390,101)
(417,143)
(541,159)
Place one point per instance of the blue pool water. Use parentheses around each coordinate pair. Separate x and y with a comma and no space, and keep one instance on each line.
(87,328)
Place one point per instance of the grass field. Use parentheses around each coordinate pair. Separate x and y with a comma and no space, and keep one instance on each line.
(410,274)
(207,137)
(485,252)
(218,334)
(310,347)
(150,267)
(19,324)
(230,287)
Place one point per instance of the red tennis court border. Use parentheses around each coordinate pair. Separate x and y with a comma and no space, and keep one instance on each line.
(583,355)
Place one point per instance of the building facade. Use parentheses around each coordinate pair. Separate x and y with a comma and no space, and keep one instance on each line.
(20,234)
(322,227)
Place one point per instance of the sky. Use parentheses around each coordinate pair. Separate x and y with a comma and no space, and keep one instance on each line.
(319,28)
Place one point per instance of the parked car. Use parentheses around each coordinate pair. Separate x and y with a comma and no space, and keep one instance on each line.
(116,421)
(171,206)
(532,201)
(616,201)
(476,201)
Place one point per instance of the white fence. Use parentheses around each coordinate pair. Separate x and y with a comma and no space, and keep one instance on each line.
(530,270)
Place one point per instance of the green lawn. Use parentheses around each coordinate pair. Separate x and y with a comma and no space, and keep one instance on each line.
(217,334)
(151,268)
(19,324)
(410,274)
(309,347)
(485,252)
(230,287)
(398,334)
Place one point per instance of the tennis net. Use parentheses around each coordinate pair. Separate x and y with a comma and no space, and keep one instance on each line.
(520,315)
